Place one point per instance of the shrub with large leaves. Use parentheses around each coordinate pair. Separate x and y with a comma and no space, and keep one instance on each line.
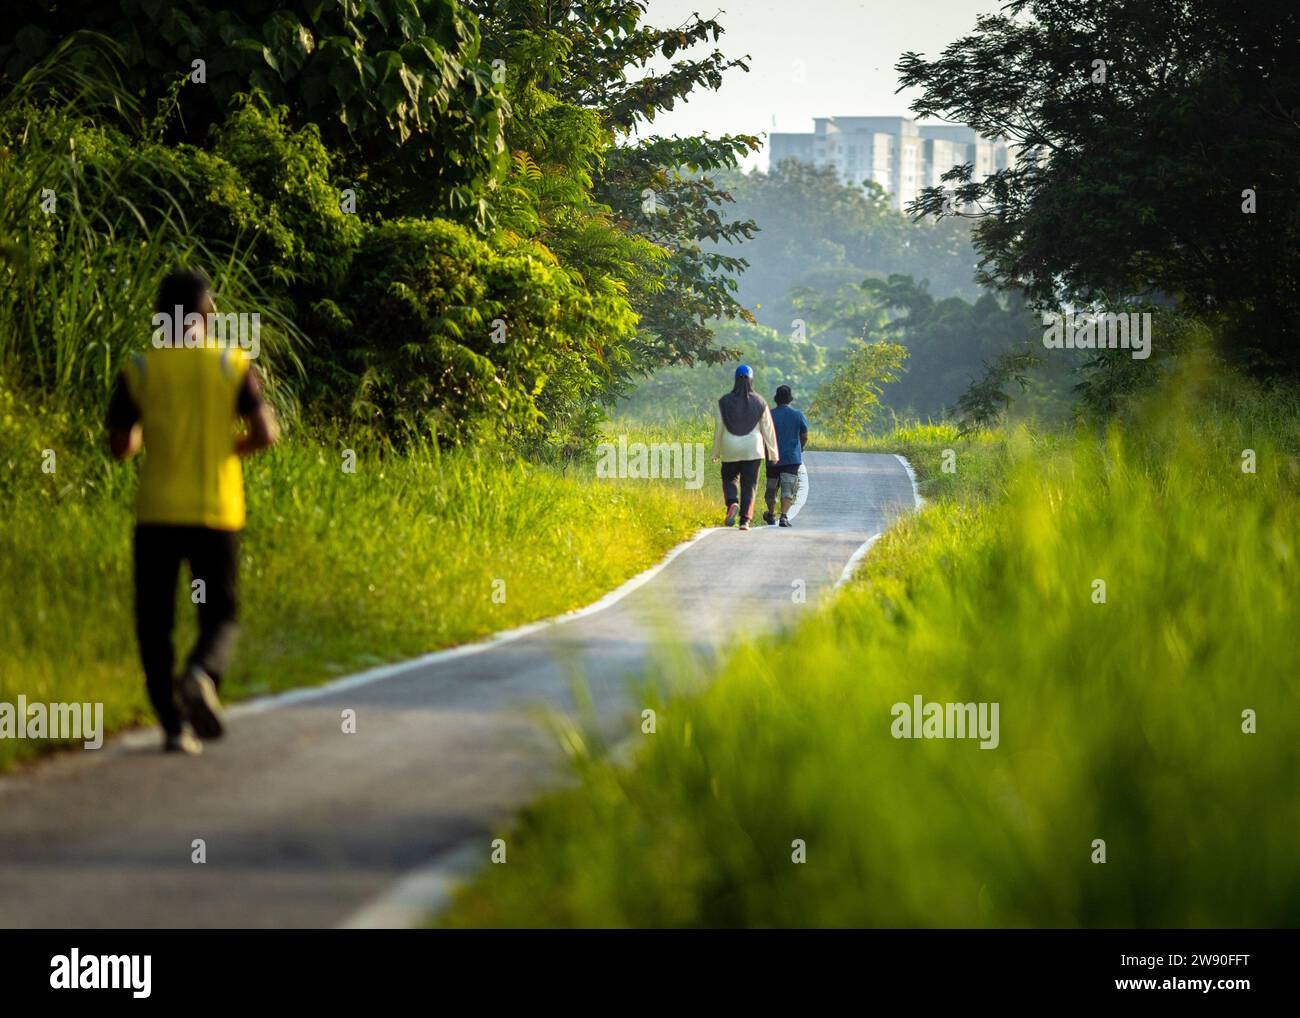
(400,84)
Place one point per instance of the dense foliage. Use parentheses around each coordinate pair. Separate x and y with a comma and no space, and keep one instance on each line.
(825,270)
(593,57)
(399,86)
(438,209)
(1164,157)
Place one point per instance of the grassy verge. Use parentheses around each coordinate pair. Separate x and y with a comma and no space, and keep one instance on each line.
(1120,722)
(340,570)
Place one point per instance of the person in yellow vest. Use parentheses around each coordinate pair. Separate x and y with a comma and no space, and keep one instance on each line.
(183,401)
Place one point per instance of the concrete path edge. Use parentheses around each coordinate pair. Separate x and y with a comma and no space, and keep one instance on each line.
(425,891)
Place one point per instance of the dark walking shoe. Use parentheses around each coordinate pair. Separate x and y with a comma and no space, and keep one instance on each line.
(744,524)
(769,518)
(731,514)
(183,742)
(785,520)
(198,695)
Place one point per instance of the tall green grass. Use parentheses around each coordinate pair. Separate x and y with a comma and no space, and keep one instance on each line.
(339,570)
(80,261)
(1120,722)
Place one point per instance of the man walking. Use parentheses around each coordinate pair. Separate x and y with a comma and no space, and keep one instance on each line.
(182,402)
(791,438)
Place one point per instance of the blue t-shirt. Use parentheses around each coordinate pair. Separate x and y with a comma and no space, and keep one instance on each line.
(789,422)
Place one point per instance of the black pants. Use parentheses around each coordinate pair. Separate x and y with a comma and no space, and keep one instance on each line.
(747,472)
(213,557)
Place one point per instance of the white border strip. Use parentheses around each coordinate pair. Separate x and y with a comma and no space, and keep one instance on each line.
(422,892)
(911,476)
(137,738)
(464,650)
(853,561)
(865,547)
(425,891)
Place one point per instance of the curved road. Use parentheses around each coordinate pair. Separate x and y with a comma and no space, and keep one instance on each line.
(305,826)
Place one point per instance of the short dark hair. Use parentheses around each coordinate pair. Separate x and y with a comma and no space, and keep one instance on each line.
(188,288)
(784,395)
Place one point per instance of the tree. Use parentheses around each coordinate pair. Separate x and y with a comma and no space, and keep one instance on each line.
(949,342)
(984,402)
(819,233)
(502,274)
(681,391)
(399,85)
(846,402)
(1144,126)
(593,56)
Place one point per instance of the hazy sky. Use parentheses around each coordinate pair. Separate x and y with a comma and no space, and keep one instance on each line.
(810,58)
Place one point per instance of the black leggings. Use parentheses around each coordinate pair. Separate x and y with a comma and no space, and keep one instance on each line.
(747,472)
(213,556)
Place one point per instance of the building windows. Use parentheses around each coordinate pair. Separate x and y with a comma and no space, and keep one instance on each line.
(893,151)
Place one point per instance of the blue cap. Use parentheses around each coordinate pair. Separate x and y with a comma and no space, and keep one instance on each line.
(744,371)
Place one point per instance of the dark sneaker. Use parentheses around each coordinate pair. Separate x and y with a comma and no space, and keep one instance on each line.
(182,743)
(785,520)
(731,514)
(769,518)
(198,695)
(744,524)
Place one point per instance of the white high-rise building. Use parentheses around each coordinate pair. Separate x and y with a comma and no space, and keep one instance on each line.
(895,152)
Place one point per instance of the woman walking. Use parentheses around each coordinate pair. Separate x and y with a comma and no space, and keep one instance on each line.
(742,434)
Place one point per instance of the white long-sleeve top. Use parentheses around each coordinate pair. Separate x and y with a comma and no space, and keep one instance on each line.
(729,448)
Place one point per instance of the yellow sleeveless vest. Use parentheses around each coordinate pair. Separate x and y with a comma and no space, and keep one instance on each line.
(187,397)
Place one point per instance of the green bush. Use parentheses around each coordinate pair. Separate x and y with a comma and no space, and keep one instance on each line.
(443,333)
(395,83)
